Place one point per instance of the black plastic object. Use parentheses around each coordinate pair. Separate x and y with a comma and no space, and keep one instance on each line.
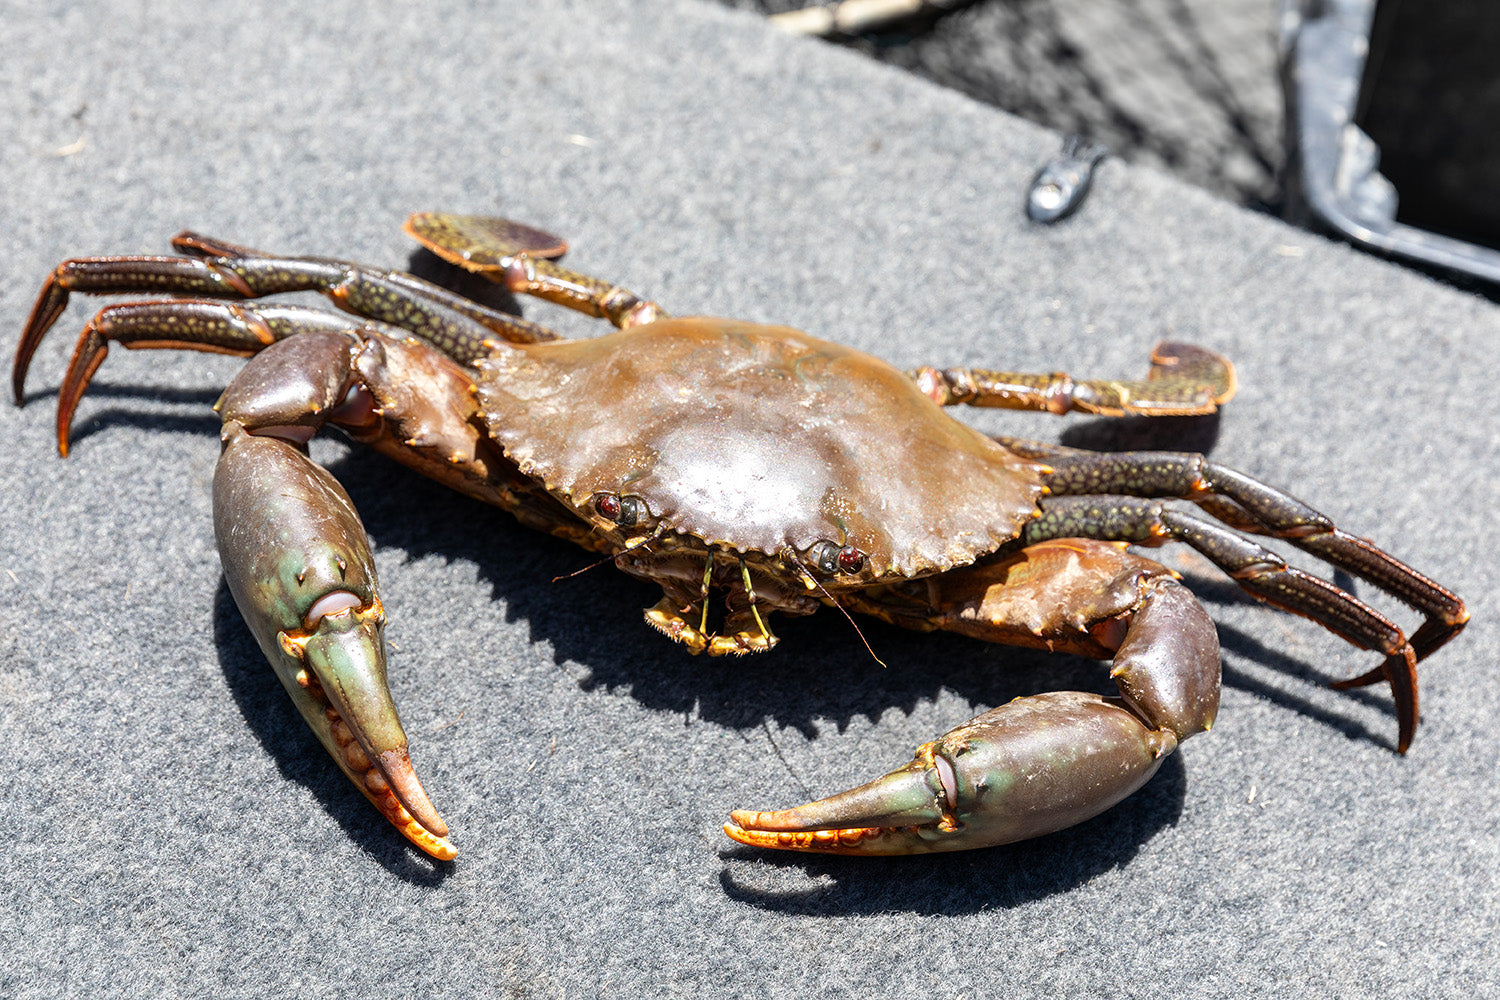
(1392,110)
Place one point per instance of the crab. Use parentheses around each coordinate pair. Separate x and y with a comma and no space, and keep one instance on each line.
(726,459)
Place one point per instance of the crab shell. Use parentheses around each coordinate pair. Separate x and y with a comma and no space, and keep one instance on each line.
(758,439)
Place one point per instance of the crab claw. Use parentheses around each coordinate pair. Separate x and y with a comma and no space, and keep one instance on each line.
(341,691)
(297,562)
(1033,766)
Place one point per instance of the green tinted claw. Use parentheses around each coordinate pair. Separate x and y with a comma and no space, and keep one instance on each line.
(300,570)
(1034,766)
(344,676)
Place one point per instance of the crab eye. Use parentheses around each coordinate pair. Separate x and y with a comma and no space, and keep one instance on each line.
(608,506)
(625,511)
(833,559)
(850,559)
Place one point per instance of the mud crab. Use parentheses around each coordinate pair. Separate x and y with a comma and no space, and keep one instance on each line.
(713,456)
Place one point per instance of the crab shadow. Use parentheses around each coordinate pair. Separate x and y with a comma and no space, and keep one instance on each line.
(1198,434)
(175,410)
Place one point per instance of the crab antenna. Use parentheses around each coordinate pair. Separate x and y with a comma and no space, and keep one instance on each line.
(584,569)
(613,557)
(809,578)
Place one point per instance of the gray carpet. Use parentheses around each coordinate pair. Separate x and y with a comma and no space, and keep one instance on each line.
(174,830)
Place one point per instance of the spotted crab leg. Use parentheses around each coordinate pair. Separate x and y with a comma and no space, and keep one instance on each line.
(1081,506)
(181,324)
(1041,763)
(1249,505)
(521,258)
(215,269)
(1184,380)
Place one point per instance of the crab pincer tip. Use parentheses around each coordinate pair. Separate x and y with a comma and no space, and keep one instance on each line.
(392,785)
(883,816)
(744,828)
(396,767)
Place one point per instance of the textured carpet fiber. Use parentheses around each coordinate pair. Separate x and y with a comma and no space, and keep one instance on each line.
(173,830)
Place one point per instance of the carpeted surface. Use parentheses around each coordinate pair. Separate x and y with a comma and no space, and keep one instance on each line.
(174,830)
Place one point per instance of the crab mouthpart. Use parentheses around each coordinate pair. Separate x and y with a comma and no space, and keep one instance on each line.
(742,630)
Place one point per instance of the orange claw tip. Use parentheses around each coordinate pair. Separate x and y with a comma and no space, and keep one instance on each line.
(431,839)
(750,820)
(437,847)
(821,841)
(391,784)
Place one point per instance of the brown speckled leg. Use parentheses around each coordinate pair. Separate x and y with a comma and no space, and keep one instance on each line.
(1184,380)
(520,258)
(1259,571)
(464,329)
(183,324)
(1248,505)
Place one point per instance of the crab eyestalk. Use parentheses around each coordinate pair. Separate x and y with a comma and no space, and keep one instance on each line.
(297,561)
(1034,766)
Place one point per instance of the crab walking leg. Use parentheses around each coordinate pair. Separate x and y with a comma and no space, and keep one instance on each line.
(458,325)
(1184,380)
(397,393)
(182,324)
(1258,571)
(520,258)
(1249,505)
(461,327)
(1042,763)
